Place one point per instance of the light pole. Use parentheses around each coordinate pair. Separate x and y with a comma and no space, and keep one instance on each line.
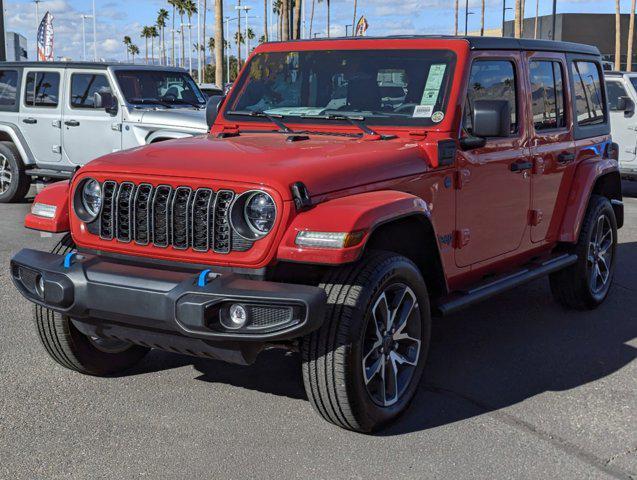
(346,30)
(504,13)
(246,9)
(94,34)
(37,26)
(466,17)
(226,47)
(84,17)
(3,48)
(554,18)
(198,42)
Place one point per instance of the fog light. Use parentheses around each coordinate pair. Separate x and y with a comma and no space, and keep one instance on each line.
(238,316)
(39,286)
(43,210)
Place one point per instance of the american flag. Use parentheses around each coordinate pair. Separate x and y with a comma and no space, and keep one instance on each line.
(45,39)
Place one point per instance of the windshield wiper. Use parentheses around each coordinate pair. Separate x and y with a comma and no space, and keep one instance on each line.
(357,121)
(150,101)
(274,118)
(181,101)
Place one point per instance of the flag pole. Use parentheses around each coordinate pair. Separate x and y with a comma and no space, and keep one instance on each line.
(37,27)
(94,35)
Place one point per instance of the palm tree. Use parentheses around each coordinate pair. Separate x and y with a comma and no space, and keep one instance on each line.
(455,21)
(162,17)
(203,47)
(146,35)
(312,17)
(518,9)
(354,20)
(218,42)
(238,30)
(482,20)
(152,31)
(239,39)
(134,50)
(631,36)
(296,33)
(285,19)
(251,36)
(262,39)
(328,17)
(618,37)
(265,20)
(190,8)
(128,42)
(174,4)
(277,8)
(181,10)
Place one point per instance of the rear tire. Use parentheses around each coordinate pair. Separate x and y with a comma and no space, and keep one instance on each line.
(361,369)
(14,182)
(586,284)
(72,349)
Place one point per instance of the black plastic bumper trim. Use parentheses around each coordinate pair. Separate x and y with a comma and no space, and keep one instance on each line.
(150,297)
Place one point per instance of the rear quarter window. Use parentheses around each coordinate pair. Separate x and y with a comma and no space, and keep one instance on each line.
(590,108)
(8,88)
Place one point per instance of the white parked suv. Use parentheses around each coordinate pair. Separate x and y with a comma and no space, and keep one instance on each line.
(621,91)
(56,116)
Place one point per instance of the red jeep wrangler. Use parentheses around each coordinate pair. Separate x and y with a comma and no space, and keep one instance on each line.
(348,190)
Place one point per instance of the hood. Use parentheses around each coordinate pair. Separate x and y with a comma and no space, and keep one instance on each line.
(189,118)
(323,163)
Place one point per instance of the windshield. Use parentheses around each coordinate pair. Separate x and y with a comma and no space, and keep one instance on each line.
(633,80)
(386,87)
(147,87)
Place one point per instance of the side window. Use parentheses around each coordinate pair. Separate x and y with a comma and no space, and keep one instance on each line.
(491,80)
(42,89)
(547,95)
(614,91)
(8,87)
(84,86)
(589,104)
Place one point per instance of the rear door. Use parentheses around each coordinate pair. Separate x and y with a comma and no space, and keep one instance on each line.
(88,131)
(552,144)
(41,113)
(494,190)
(623,127)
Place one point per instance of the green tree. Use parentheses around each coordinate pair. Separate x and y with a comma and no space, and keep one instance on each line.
(162,18)
(127,43)
(146,34)
(152,32)
(134,50)
(174,4)
(219,42)
(191,9)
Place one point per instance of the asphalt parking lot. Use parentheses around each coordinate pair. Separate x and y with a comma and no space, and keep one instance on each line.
(516,388)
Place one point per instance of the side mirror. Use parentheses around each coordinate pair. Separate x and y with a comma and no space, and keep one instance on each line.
(491,118)
(212,109)
(105,100)
(627,105)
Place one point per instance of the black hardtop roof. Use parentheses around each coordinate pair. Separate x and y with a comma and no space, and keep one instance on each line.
(95,65)
(487,43)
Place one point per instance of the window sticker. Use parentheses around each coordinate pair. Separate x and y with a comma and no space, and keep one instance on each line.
(437,117)
(423,111)
(432,87)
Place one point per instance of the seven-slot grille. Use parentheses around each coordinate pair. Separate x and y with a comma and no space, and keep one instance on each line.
(165,216)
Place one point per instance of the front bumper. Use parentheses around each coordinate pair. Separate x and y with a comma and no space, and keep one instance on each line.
(123,294)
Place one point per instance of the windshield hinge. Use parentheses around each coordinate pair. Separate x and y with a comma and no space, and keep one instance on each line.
(229,131)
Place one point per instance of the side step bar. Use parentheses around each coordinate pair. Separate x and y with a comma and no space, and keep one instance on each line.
(43,172)
(458,301)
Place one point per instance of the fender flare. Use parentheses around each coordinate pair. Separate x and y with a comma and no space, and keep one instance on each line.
(19,141)
(363,212)
(586,176)
(56,194)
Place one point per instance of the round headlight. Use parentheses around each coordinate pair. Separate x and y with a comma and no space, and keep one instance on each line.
(260,212)
(87,200)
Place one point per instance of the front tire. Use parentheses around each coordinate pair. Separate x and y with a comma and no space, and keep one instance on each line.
(586,284)
(361,369)
(72,349)
(14,182)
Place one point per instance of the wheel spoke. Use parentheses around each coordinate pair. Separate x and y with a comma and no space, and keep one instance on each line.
(391,381)
(402,360)
(381,314)
(373,369)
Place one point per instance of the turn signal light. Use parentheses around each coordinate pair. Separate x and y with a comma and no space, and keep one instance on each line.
(310,239)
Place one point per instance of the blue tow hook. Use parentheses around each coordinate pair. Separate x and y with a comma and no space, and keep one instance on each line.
(203,278)
(68,258)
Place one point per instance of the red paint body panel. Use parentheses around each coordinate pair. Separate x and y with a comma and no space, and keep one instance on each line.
(355,213)
(55,194)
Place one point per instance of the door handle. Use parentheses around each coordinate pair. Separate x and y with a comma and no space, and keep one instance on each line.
(30,120)
(565,157)
(72,123)
(521,166)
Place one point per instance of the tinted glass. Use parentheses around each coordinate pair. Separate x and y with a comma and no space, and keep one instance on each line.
(159,88)
(391,87)
(615,90)
(589,104)
(8,87)
(42,89)
(633,80)
(84,86)
(547,95)
(491,80)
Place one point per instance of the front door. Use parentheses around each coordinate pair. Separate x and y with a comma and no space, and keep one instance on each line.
(41,113)
(88,131)
(623,125)
(552,145)
(494,184)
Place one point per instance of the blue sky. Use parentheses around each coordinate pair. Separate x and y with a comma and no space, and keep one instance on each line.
(117,18)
